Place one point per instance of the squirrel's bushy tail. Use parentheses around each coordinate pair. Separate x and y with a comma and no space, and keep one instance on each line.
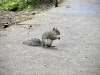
(32,42)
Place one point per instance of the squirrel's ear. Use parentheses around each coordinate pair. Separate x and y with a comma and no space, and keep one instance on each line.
(53,29)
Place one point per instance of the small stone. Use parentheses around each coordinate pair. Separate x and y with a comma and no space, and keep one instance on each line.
(65,27)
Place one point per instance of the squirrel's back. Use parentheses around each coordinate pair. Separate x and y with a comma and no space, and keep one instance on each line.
(51,34)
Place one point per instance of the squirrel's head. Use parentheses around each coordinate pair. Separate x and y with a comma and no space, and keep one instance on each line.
(56,31)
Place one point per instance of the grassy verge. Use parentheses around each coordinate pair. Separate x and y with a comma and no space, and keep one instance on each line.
(17,5)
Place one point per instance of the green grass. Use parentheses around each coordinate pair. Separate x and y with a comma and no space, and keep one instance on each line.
(18,5)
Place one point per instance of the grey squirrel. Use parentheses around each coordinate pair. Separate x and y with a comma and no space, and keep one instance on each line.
(47,39)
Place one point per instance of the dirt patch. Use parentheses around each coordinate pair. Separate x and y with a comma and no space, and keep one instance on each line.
(8,18)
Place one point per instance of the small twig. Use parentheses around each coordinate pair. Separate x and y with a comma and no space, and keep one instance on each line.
(25,24)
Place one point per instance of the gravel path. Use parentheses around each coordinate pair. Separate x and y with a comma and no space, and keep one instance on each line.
(77,53)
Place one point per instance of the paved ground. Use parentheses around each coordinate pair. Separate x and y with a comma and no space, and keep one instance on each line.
(77,53)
